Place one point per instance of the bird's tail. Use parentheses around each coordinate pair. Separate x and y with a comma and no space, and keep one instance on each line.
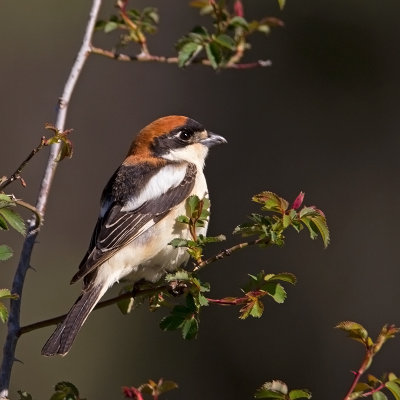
(61,340)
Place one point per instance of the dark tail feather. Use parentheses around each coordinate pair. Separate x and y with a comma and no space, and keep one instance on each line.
(61,340)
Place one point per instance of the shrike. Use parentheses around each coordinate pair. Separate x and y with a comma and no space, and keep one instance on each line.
(137,220)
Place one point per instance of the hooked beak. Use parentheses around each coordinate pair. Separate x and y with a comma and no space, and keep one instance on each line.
(212,139)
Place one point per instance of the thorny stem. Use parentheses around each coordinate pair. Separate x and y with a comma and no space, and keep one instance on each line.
(24,262)
(357,374)
(174,60)
(227,252)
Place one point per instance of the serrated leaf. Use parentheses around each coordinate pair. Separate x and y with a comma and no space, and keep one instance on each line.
(239,22)
(276,291)
(3,313)
(6,294)
(65,391)
(183,219)
(320,223)
(392,376)
(14,220)
(203,300)
(110,26)
(271,201)
(6,201)
(6,252)
(190,328)
(178,242)
(362,386)
(379,396)
(299,394)
(187,52)
(226,41)
(213,54)
(180,275)
(283,276)
(394,388)
(354,330)
(172,322)
(193,204)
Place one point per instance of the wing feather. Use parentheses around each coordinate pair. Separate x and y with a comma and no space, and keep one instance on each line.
(118,227)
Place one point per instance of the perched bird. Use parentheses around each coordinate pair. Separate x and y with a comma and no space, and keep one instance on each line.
(137,220)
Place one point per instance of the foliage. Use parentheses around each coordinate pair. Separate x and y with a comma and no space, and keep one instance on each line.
(222,45)
(278,390)
(373,386)
(268,227)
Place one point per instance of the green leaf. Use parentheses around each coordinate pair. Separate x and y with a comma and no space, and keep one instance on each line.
(5,252)
(281,4)
(3,224)
(226,41)
(394,388)
(213,54)
(271,201)
(379,396)
(320,223)
(299,394)
(178,242)
(190,328)
(183,219)
(3,313)
(193,204)
(65,391)
(354,330)
(5,201)
(239,22)
(171,322)
(187,52)
(264,28)
(14,219)
(110,26)
(166,386)
(180,275)
(6,294)
(276,291)
(282,276)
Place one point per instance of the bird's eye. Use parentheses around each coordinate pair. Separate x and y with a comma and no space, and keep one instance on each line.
(185,135)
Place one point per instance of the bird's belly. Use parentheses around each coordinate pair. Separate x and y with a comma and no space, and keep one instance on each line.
(149,256)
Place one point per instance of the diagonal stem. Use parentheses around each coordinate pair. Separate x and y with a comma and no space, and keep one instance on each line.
(24,262)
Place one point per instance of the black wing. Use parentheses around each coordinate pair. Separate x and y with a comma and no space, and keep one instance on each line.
(117,228)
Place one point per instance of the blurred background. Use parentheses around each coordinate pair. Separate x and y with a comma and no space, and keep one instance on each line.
(323,119)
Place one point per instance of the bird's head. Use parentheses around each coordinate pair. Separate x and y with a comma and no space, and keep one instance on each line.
(174,138)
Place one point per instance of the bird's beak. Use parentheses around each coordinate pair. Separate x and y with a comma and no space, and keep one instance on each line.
(212,139)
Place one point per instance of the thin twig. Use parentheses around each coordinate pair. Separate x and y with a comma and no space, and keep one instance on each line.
(227,252)
(102,304)
(24,262)
(142,57)
(16,175)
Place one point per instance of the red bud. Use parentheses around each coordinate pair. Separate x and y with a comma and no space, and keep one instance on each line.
(238,8)
(299,201)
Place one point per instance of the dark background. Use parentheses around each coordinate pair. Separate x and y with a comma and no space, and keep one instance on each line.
(323,119)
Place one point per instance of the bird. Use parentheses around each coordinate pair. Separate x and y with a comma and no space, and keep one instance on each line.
(137,221)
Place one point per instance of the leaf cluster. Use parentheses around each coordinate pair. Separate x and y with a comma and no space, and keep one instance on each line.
(228,39)
(135,24)
(270,228)
(62,391)
(373,386)
(152,388)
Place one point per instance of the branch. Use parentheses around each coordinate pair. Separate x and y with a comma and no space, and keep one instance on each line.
(145,57)
(24,262)
(102,304)
(227,252)
(16,175)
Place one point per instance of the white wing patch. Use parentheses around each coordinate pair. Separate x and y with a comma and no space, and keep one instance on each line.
(168,177)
